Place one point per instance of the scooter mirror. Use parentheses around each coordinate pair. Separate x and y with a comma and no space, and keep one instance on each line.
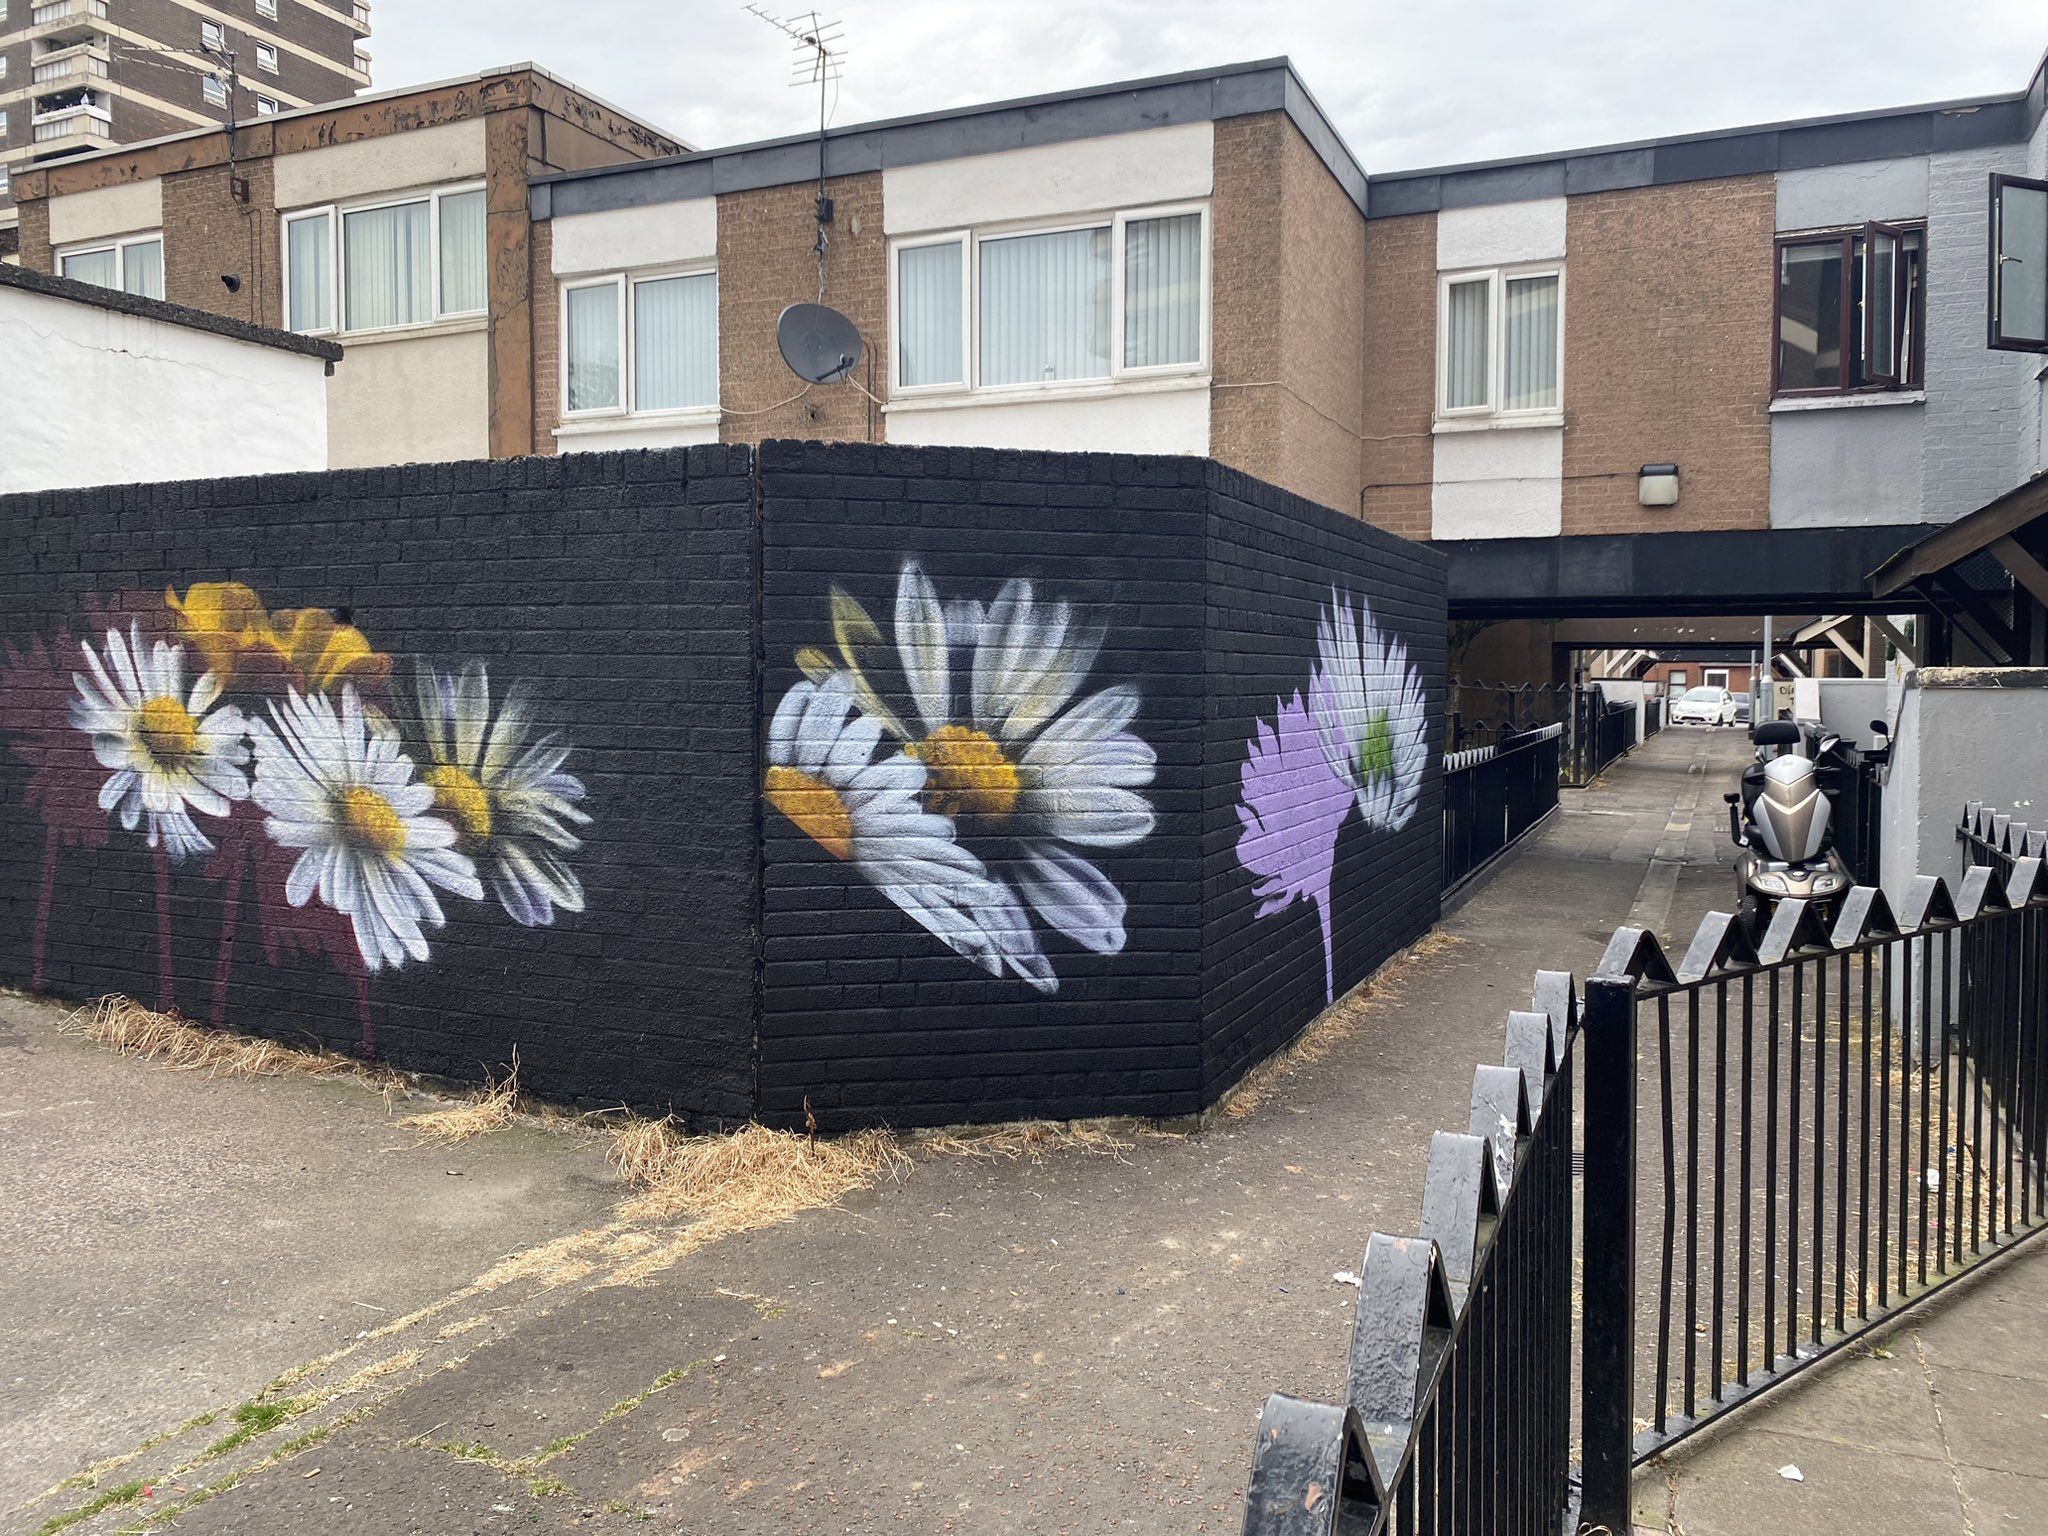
(1880,728)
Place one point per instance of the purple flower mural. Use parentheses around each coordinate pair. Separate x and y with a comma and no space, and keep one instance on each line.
(1360,738)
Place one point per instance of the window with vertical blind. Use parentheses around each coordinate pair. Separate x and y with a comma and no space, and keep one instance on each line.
(1500,344)
(640,345)
(1122,296)
(385,265)
(134,264)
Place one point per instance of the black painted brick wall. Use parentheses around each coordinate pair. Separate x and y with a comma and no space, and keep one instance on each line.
(1273,560)
(726,963)
(619,588)
(868,1017)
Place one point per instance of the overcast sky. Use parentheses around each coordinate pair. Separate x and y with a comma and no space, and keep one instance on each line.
(1423,82)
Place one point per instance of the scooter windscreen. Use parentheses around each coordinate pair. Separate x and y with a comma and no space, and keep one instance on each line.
(1791,814)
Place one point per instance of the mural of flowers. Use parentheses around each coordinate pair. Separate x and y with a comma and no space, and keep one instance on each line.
(994,734)
(212,717)
(337,786)
(1360,738)
(170,752)
(510,801)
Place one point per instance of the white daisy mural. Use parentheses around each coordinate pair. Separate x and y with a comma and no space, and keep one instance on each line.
(1370,715)
(513,806)
(1031,771)
(335,785)
(170,749)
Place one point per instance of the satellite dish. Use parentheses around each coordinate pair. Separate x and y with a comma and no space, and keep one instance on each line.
(818,343)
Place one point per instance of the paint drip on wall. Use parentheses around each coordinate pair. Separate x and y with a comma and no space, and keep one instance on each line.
(1357,736)
(260,750)
(966,767)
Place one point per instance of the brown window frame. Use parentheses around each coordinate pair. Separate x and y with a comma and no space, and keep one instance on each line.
(1995,338)
(1900,382)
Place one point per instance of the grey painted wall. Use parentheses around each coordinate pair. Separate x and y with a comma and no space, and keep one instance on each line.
(1907,463)
(2031,388)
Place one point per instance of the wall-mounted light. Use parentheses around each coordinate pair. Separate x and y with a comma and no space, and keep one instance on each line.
(1657,485)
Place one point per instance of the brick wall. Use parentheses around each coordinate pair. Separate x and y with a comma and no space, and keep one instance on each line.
(1309,881)
(208,235)
(1667,354)
(765,264)
(1400,372)
(547,339)
(1288,260)
(34,231)
(616,590)
(1046,908)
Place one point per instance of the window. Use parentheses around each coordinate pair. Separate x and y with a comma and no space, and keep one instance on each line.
(2019,264)
(380,266)
(265,107)
(1498,335)
(640,345)
(1679,678)
(1118,298)
(211,36)
(133,265)
(3,66)
(267,8)
(3,123)
(1714,677)
(211,87)
(6,182)
(266,58)
(1849,310)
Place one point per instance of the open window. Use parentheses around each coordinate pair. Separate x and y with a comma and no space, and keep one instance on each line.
(2018,291)
(1849,310)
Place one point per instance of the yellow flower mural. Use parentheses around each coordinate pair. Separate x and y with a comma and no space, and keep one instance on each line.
(228,625)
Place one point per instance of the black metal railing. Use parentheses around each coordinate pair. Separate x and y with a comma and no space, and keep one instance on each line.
(1840,1121)
(1783,1145)
(1486,714)
(1494,796)
(1458,1412)
(1602,731)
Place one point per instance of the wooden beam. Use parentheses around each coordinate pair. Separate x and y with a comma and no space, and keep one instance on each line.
(1969,610)
(1907,648)
(1850,651)
(2026,570)
(1962,538)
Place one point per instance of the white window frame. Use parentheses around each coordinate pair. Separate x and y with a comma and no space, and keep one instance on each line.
(119,246)
(627,283)
(265,107)
(267,8)
(266,57)
(971,241)
(1496,344)
(212,35)
(213,89)
(1714,677)
(338,252)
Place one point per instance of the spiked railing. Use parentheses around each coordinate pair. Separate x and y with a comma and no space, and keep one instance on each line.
(1844,1118)
(1458,1413)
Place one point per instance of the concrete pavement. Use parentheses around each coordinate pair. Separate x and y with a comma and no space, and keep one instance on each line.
(1077,1344)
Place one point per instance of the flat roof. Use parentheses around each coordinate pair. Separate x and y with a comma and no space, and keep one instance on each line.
(1126,106)
(366,98)
(31,281)
(1273,84)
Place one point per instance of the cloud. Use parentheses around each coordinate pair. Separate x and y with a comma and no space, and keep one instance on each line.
(1406,84)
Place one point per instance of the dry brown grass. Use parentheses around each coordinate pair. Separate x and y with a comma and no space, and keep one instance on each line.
(1033,1139)
(492,1109)
(1335,1025)
(125,1025)
(751,1177)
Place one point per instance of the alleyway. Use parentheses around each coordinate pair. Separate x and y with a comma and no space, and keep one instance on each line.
(1071,1345)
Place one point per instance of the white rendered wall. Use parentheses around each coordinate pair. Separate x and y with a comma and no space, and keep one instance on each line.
(411,400)
(627,239)
(1499,482)
(103,211)
(398,162)
(119,399)
(1108,421)
(1052,181)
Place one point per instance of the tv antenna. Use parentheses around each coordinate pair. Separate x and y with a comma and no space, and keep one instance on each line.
(820,60)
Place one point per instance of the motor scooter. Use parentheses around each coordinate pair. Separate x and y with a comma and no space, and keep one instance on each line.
(1781,818)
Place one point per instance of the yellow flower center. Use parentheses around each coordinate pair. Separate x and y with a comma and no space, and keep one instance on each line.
(815,807)
(168,730)
(371,822)
(462,798)
(965,773)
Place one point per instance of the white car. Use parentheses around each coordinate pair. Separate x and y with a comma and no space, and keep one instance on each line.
(1704,706)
